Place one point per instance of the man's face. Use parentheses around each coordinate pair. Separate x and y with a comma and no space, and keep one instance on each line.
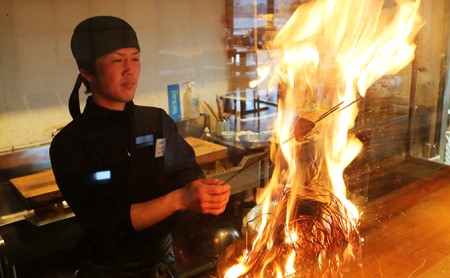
(116,79)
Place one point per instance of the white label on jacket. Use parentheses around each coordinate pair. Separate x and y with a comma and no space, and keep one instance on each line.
(160,147)
(102,175)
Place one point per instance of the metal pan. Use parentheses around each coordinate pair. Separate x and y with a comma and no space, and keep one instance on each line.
(255,141)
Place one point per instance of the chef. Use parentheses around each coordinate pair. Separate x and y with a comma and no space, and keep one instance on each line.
(124,169)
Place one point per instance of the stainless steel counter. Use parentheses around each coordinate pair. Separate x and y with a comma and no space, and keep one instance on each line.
(10,203)
(26,235)
(22,240)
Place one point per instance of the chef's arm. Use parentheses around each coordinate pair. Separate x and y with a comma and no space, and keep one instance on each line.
(208,196)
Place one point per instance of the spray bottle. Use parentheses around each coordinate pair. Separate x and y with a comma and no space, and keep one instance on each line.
(191,103)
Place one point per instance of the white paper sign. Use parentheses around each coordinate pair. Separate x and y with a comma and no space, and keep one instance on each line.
(160,147)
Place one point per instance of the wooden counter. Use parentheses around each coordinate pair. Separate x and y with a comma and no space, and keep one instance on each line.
(408,234)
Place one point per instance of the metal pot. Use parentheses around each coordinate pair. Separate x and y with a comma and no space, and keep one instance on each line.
(254,141)
(212,241)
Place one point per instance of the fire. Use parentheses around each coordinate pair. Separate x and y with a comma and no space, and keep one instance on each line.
(325,58)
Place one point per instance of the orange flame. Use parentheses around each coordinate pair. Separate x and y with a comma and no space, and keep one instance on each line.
(327,54)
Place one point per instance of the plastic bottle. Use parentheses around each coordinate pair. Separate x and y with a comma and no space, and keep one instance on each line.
(191,102)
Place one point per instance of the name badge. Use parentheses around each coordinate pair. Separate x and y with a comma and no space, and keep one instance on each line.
(160,147)
(145,140)
(100,177)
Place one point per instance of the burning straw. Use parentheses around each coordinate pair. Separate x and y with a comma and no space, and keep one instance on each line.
(314,243)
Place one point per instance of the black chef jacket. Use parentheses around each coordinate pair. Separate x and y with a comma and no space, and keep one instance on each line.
(106,160)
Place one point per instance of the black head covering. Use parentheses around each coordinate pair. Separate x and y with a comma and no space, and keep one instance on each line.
(93,38)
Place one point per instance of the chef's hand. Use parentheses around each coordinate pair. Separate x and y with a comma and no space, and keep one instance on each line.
(208,196)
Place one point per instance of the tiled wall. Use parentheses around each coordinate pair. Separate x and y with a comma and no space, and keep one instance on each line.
(180,40)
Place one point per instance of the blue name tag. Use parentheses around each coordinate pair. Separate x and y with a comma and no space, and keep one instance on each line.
(145,140)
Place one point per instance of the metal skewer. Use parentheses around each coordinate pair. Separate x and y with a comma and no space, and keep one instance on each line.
(329,112)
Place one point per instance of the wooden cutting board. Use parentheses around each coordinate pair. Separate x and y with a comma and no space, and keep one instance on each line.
(206,152)
(40,189)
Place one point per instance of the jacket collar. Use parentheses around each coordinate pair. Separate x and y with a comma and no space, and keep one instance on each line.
(95,109)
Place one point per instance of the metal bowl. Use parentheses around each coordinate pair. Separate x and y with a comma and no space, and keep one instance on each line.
(255,141)
(212,241)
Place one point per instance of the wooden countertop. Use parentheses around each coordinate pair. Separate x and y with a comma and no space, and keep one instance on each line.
(412,235)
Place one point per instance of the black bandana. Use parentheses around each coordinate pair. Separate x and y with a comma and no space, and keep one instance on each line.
(93,38)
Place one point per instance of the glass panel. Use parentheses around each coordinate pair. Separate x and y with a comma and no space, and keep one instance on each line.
(407,113)
(246,15)
(429,92)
